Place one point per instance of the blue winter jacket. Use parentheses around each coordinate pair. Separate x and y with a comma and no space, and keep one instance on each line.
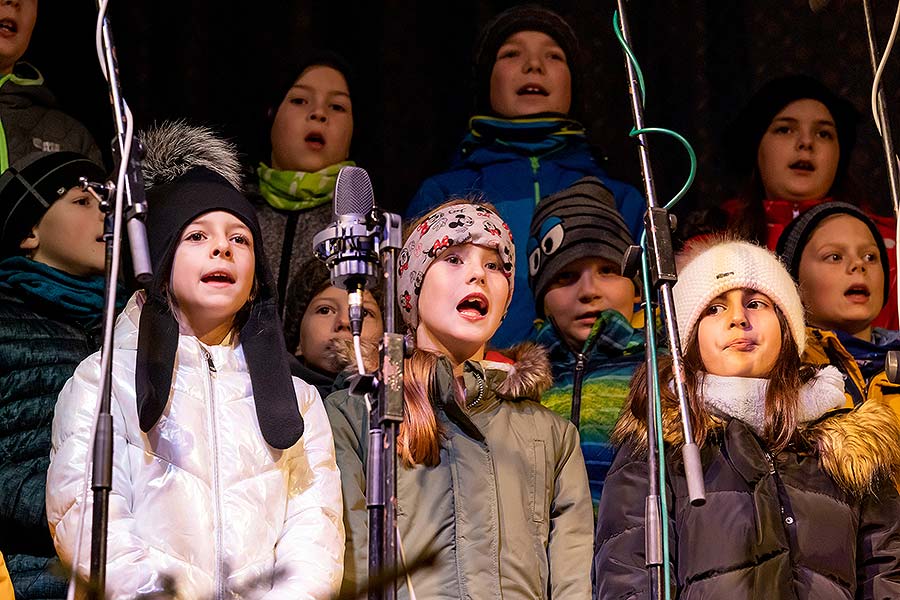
(514,179)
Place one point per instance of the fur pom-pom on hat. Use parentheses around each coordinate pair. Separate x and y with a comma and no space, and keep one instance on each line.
(723,265)
(173,148)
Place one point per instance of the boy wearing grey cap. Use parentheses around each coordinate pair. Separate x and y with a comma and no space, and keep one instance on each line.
(594,338)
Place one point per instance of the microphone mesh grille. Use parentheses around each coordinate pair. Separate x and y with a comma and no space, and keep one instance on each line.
(353,192)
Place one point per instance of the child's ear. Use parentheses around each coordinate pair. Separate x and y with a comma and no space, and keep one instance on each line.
(32,241)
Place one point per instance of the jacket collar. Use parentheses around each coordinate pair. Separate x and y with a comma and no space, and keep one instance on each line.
(858,448)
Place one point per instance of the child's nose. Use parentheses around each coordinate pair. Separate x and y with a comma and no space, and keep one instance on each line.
(317,113)
(534,63)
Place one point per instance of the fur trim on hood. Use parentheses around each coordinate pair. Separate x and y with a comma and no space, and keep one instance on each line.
(858,448)
(173,148)
(528,373)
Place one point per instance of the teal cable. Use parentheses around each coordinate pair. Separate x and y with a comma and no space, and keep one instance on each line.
(691,155)
(653,396)
(627,49)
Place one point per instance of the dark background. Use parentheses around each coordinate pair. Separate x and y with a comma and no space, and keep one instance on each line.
(217,63)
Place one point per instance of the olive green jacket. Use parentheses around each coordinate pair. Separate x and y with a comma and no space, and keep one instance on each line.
(507,511)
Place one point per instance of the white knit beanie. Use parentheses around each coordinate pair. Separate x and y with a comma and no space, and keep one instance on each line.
(729,265)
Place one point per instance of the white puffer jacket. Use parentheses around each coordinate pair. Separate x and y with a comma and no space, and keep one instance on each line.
(201,497)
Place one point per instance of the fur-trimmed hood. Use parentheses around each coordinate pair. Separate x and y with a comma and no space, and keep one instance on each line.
(858,448)
(519,372)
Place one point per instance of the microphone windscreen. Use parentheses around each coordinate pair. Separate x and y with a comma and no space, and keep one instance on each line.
(353,193)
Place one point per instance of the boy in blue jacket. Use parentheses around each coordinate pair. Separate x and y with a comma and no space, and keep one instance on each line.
(524,142)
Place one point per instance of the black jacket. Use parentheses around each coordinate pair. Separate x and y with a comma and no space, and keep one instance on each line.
(818,520)
(38,353)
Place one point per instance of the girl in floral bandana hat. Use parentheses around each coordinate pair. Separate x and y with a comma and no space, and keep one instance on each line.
(490,481)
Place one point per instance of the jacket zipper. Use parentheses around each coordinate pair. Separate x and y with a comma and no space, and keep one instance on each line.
(786,518)
(535,167)
(217,504)
(575,415)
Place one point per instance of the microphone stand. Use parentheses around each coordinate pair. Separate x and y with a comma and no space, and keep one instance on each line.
(659,258)
(128,177)
(886,139)
(385,416)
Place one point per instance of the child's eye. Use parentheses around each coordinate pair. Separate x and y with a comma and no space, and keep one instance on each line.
(564,278)
(369,313)
(491,266)
(714,309)
(757,304)
(240,239)
(826,134)
(608,270)
(299,100)
(507,53)
(195,236)
(82,201)
(871,257)
(324,310)
(453,260)
(339,108)
(833,257)
(557,56)
(781,129)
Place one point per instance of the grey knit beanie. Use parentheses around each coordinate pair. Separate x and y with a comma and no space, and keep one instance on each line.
(578,221)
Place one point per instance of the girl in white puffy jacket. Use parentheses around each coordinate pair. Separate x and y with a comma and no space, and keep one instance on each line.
(224,476)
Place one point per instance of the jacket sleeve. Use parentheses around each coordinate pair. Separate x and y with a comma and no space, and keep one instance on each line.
(619,552)
(309,553)
(571,521)
(878,546)
(132,566)
(349,439)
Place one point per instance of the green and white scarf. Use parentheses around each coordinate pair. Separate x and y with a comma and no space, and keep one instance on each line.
(298,190)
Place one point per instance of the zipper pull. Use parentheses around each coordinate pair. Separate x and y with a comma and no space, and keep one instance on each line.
(771,460)
(579,362)
(209,361)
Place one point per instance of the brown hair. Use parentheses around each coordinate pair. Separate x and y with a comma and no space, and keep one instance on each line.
(419,438)
(785,380)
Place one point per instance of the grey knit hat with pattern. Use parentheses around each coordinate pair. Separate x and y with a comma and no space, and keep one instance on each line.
(578,221)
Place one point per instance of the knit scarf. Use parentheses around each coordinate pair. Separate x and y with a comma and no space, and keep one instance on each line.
(744,398)
(78,299)
(298,190)
(530,135)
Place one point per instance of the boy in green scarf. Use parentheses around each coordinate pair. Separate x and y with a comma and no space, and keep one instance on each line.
(311,130)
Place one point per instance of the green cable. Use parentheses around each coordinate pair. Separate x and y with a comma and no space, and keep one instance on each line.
(648,310)
(634,62)
(691,155)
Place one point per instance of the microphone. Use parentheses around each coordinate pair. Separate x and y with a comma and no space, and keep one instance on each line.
(350,245)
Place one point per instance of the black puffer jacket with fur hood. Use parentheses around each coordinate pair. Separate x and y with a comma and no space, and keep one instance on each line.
(820,519)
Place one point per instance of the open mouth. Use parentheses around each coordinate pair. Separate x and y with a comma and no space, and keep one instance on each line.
(220,277)
(803,165)
(858,292)
(473,305)
(315,139)
(8,26)
(532,89)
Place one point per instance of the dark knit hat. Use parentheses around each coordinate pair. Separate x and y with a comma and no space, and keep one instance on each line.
(31,185)
(173,203)
(576,222)
(746,131)
(527,17)
(797,233)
